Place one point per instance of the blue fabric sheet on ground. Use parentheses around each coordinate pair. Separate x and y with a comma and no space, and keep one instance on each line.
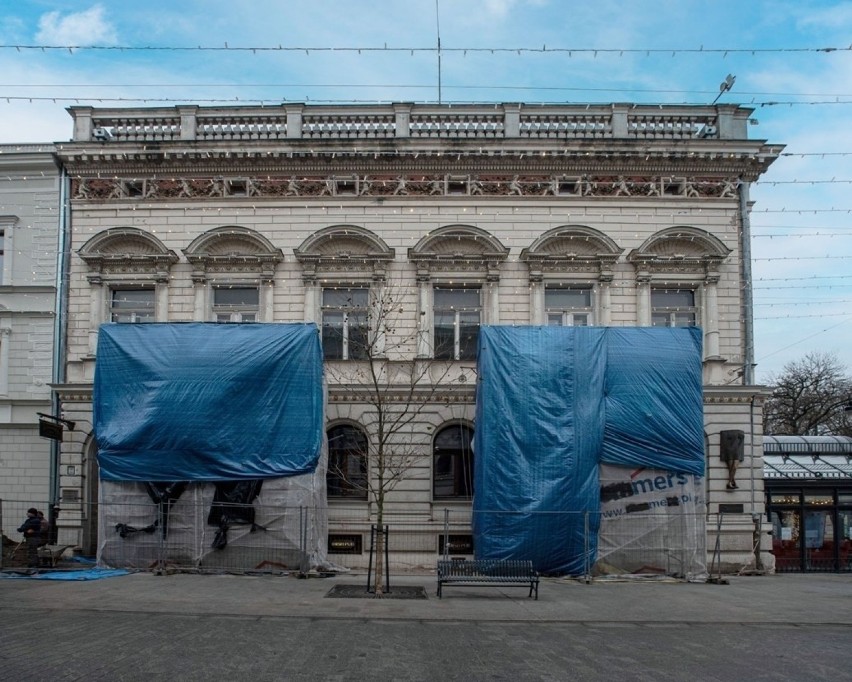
(91,574)
(554,402)
(207,402)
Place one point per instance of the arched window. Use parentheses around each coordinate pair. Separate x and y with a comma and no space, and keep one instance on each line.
(347,463)
(452,475)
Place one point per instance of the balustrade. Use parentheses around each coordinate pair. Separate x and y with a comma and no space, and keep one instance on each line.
(294,121)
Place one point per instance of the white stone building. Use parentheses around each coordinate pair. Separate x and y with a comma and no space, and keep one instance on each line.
(29,240)
(465,215)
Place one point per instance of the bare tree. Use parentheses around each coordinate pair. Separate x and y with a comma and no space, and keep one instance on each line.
(396,388)
(811,396)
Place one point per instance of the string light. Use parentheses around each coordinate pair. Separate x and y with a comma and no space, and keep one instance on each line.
(617,51)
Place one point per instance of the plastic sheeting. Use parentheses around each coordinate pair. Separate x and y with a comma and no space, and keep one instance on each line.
(654,411)
(287,528)
(553,403)
(652,523)
(207,401)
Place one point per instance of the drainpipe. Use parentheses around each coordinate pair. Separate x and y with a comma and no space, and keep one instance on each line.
(59,322)
(748,304)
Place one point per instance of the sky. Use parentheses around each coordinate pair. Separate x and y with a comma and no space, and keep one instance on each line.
(792,61)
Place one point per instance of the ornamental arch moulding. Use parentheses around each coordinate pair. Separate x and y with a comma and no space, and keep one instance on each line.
(677,276)
(459,249)
(123,252)
(344,249)
(681,249)
(571,249)
(232,250)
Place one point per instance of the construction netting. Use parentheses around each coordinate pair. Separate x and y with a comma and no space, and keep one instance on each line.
(198,427)
(553,404)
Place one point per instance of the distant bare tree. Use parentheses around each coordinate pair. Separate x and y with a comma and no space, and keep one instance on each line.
(397,388)
(811,396)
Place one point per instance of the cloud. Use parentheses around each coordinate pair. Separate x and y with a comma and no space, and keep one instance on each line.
(83,28)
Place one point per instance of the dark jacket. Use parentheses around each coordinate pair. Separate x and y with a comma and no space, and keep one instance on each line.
(32,523)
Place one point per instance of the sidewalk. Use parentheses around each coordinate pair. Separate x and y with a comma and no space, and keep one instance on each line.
(818,599)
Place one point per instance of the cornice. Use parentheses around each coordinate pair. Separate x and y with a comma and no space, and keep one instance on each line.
(720,395)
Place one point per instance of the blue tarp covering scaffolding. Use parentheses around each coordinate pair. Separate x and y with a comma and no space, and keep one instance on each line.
(555,402)
(208,402)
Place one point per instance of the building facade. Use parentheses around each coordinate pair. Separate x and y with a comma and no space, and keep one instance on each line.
(29,227)
(808,481)
(434,220)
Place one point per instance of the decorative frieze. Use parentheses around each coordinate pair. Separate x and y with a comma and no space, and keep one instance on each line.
(403,184)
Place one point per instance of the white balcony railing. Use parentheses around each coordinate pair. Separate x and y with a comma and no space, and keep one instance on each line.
(399,121)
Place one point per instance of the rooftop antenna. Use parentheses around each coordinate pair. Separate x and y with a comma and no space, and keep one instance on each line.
(438,31)
(724,86)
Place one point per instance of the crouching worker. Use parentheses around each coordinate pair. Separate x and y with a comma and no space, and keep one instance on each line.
(31,528)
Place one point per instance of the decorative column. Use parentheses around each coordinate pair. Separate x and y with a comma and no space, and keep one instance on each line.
(312,293)
(643,299)
(161,293)
(492,279)
(267,293)
(605,299)
(711,317)
(536,298)
(96,310)
(380,311)
(5,335)
(424,323)
(199,285)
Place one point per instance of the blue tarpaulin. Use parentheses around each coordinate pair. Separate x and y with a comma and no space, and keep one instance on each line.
(553,403)
(90,574)
(207,401)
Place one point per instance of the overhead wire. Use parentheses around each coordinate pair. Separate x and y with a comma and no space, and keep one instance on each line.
(594,51)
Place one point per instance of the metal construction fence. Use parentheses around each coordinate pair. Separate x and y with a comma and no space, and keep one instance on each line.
(189,536)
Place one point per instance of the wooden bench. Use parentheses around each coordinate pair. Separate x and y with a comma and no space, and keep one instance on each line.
(486,573)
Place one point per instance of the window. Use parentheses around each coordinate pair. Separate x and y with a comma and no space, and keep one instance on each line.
(235,304)
(2,251)
(568,306)
(347,463)
(673,308)
(456,322)
(344,323)
(453,463)
(132,305)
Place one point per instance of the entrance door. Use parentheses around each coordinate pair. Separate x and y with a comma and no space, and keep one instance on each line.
(786,540)
(819,541)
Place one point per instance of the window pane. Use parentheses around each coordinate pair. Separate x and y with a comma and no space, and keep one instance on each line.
(332,335)
(468,335)
(456,299)
(660,320)
(345,298)
(565,298)
(347,463)
(672,298)
(684,320)
(132,305)
(453,463)
(580,320)
(358,345)
(444,335)
(235,296)
(554,319)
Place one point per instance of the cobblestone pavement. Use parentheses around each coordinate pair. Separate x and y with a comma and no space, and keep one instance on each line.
(141,627)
